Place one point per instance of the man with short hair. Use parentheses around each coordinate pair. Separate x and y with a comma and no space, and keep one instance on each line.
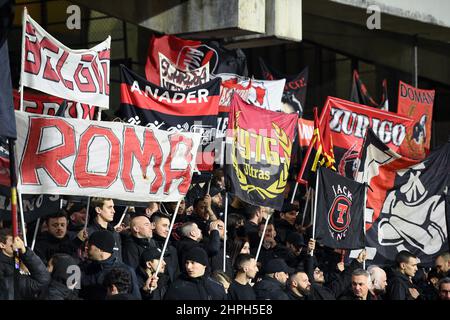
(444,288)
(298,286)
(77,216)
(118,284)
(442,264)
(273,284)
(246,269)
(194,284)
(161,228)
(217,203)
(103,212)
(270,248)
(152,286)
(140,239)
(56,239)
(286,224)
(379,281)
(100,261)
(254,218)
(360,286)
(203,214)
(29,285)
(400,286)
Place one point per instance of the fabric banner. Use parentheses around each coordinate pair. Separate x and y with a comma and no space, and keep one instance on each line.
(40,103)
(7,123)
(5,180)
(192,110)
(405,201)
(359,94)
(175,79)
(260,147)
(34,206)
(75,75)
(339,221)
(104,159)
(348,123)
(305,132)
(418,105)
(294,93)
(189,55)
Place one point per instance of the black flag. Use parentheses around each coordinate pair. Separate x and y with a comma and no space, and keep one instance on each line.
(340,211)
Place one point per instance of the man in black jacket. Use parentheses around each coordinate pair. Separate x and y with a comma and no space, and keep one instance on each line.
(101,261)
(194,284)
(103,212)
(400,286)
(152,287)
(273,284)
(246,269)
(118,284)
(286,224)
(360,287)
(29,286)
(139,240)
(56,239)
(298,286)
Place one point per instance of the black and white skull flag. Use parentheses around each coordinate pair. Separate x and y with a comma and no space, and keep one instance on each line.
(405,207)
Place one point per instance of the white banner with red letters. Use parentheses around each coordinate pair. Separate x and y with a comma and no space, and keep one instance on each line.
(104,159)
(75,75)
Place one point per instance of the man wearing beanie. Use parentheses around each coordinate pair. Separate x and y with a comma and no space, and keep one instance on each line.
(273,284)
(100,261)
(152,288)
(193,284)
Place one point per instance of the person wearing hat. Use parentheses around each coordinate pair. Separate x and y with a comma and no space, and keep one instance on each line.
(140,238)
(152,287)
(100,261)
(77,214)
(273,284)
(286,224)
(194,284)
(217,203)
(296,245)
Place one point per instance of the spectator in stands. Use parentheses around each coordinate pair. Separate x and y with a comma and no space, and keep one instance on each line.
(298,286)
(273,284)
(246,270)
(118,284)
(442,264)
(64,284)
(378,281)
(444,288)
(360,286)
(152,286)
(400,286)
(140,239)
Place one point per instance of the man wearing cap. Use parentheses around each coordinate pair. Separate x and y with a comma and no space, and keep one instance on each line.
(296,245)
(140,239)
(194,284)
(152,287)
(217,205)
(286,224)
(246,269)
(100,261)
(273,284)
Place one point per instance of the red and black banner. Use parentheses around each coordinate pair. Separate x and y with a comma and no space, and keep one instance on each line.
(406,205)
(193,110)
(418,105)
(294,93)
(192,54)
(339,221)
(360,94)
(260,147)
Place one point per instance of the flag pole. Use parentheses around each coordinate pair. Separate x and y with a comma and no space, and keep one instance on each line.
(22,65)
(262,237)
(87,213)
(33,242)
(225,233)
(315,207)
(22,219)
(122,217)
(167,238)
(295,191)
(364,223)
(308,192)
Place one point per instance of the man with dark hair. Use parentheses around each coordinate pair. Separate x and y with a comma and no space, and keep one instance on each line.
(286,224)
(273,284)
(298,286)
(246,269)
(100,261)
(56,238)
(203,214)
(217,203)
(270,248)
(118,284)
(254,218)
(161,223)
(77,214)
(442,264)
(29,285)
(194,284)
(102,210)
(140,239)
(152,286)
(444,288)
(360,286)
(400,286)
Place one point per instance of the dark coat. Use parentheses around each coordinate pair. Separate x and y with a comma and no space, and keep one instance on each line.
(170,257)
(216,262)
(47,245)
(30,286)
(283,229)
(293,296)
(211,246)
(351,296)
(270,289)
(132,249)
(201,288)
(398,287)
(159,292)
(251,229)
(94,226)
(93,273)
(237,291)
(59,291)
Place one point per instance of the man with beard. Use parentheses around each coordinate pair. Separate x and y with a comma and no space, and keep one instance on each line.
(442,264)
(298,286)
(273,284)
(140,239)
(56,240)
(246,269)
(77,216)
(152,286)
(203,213)
(217,203)
(379,281)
